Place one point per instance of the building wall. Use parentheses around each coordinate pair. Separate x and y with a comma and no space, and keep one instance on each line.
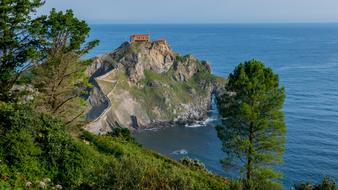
(139,38)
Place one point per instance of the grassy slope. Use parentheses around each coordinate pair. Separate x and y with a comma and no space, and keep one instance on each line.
(145,169)
(35,146)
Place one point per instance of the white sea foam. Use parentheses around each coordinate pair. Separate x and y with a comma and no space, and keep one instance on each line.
(195,125)
(201,123)
(152,129)
(180,152)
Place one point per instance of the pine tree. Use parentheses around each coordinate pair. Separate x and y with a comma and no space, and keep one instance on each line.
(18,43)
(254,128)
(61,78)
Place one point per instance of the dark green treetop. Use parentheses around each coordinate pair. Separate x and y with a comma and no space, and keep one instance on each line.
(254,127)
(63,31)
(18,43)
(60,78)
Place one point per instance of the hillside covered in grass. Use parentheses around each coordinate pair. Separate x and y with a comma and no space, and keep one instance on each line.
(37,151)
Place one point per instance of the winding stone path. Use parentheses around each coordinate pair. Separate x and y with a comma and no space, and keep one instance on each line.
(95,125)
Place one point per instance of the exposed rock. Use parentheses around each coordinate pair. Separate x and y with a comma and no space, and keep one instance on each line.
(146,84)
(24,93)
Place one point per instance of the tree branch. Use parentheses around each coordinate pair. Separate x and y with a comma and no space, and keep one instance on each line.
(64,102)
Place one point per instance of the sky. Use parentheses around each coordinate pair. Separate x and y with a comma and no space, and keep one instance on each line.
(199,11)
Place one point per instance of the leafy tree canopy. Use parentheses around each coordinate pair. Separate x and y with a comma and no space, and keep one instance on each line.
(64,32)
(61,78)
(18,42)
(254,127)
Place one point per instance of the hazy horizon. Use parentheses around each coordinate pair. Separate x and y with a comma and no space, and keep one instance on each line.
(199,11)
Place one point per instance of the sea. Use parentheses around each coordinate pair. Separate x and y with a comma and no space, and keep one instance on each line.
(305,56)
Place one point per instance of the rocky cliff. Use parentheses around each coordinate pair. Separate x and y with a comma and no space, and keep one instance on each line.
(142,85)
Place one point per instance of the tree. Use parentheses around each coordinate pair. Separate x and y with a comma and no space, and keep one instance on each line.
(18,43)
(61,79)
(254,126)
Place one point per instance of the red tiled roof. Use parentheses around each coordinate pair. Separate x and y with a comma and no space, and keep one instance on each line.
(147,35)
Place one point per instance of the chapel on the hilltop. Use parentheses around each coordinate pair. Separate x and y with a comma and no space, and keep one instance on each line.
(140,38)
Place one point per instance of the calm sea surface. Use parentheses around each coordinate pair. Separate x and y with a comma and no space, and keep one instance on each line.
(304,55)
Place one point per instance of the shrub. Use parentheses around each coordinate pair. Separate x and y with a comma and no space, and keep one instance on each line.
(123,133)
(326,184)
(193,164)
(35,146)
(243,184)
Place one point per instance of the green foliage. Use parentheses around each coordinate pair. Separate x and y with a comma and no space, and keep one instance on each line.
(122,133)
(62,31)
(34,147)
(37,151)
(142,169)
(180,58)
(60,78)
(18,44)
(254,129)
(326,184)
(157,87)
(254,185)
(193,164)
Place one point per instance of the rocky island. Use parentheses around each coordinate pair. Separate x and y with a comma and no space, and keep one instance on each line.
(145,84)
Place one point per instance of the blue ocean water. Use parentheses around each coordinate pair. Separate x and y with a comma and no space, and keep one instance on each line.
(304,55)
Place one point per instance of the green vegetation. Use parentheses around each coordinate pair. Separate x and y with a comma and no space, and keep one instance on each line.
(194,164)
(254,129)
(41,147)
(36,146)
(326,184)
(18,41)
(157,87)
(60,78)
(122,133)
(243,184)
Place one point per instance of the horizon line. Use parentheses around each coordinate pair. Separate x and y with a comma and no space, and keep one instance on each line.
(200,23)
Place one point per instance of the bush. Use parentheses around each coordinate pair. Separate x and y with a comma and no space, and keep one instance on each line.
(326,184)
(193,164)
(123,133)
(254,185)
(34,147)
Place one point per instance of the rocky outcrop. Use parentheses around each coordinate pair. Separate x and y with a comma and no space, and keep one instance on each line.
(146,84)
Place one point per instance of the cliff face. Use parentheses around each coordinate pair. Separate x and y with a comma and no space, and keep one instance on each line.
(142,85)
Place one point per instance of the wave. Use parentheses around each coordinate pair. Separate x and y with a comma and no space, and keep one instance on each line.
(201,123)
(180,152)
(152,129)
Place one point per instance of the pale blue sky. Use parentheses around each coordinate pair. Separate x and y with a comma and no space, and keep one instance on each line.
(199,11)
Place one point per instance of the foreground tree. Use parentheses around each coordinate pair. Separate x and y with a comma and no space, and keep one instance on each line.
(61,78)
(254,127)
(18,43)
